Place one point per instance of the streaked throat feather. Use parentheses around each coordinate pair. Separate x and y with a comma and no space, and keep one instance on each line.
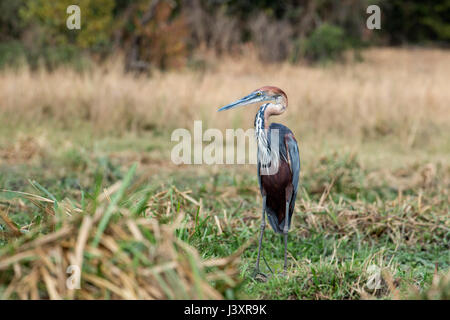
(266,155)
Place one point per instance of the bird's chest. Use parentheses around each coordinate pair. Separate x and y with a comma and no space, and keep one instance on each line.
(277,182)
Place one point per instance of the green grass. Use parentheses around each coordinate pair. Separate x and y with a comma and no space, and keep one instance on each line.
(394,218)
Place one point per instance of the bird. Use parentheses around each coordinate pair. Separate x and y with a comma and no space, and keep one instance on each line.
(278,163)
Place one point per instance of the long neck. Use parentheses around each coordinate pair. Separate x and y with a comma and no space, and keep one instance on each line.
(267,110)
(261,133)
(260,118)
(265,154)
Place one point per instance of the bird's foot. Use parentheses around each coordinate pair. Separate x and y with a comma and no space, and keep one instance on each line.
(284,274)
(259,276)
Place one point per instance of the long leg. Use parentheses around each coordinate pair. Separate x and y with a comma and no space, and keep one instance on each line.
(263,226)
(285,233)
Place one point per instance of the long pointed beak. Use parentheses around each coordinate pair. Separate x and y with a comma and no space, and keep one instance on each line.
(251,98)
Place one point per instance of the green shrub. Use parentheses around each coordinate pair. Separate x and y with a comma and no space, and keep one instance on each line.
(53,56)
(325,43)
(12,54)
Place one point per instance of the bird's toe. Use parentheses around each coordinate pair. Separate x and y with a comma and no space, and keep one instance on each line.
(259,276)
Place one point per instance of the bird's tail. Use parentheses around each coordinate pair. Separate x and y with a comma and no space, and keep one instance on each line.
(273,221)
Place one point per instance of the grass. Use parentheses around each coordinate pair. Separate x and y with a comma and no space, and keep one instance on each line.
(401,93)
(334,238)
(374,183)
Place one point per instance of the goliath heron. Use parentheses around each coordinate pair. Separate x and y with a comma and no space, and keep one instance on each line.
(278,187)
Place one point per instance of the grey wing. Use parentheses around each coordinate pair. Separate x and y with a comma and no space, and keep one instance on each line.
(294,162)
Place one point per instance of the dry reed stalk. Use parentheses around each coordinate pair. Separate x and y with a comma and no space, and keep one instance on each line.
(163,268)
(396,92)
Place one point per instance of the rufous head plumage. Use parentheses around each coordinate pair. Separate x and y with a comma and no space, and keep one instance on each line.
(266,93)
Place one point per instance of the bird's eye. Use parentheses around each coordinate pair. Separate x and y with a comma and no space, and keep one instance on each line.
(259,93)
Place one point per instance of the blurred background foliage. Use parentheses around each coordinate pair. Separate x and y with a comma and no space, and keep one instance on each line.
(167,33)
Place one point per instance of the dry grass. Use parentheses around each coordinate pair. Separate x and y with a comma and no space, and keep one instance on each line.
(398,93)
(149,254)
(439,289)
(395,105)
(124,256)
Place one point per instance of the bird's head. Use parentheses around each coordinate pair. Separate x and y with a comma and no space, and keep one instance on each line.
(267,93)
